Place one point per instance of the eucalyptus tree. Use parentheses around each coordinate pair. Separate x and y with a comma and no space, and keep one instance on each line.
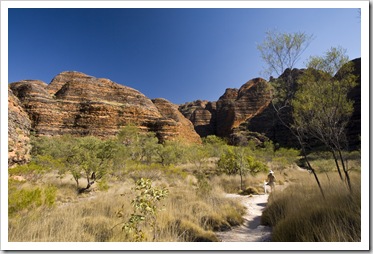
(281,51)
(90,158)
(322,109)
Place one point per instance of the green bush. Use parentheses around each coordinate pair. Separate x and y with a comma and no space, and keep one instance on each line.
(145,210)
(30,168)
(214,145)
(103,185)
(21,199)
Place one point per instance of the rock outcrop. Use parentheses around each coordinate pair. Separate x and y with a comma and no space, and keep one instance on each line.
(247,113)
(203,116)
(19,126)
(233,108)
(250,100)
(78,104)
(173,125)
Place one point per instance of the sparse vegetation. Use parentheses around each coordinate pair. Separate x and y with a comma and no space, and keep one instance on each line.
(145,211)
(299,215)
(44,204)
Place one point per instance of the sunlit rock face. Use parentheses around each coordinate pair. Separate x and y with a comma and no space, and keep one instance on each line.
(19,126)
(236,107)
(247,113)
(78,104)
(233,108)
(173,125)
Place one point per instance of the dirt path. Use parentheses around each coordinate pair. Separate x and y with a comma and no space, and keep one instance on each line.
(251,230)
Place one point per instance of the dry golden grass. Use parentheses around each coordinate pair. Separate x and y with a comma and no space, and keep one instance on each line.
(299,213)
(231,183)
(194,209)
(187,215)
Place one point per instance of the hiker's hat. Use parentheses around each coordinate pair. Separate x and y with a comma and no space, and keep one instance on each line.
(271,172)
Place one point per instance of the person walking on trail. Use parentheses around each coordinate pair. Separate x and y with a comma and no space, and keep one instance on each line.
(271,179)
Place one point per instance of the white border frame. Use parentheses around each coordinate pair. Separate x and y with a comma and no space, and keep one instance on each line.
(365,175)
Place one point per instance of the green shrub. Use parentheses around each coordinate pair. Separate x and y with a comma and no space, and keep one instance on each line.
(21,199)
(50,193)
(145,210)
(103,185)
(30,168)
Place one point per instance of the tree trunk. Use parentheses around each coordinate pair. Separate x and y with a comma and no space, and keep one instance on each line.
(309,164)
(314,174)
(337,164)
(345,171)
(77,182)
(241,181)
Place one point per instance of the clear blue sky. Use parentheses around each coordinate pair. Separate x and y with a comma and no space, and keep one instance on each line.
(177,54)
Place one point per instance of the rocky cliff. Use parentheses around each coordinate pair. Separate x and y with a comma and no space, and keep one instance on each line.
(174,125)
(247,113)
(233,108)
(19,126)
(78,104)
(354,126)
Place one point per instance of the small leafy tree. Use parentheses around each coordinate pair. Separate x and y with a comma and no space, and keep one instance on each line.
(237,161)
(171,152)
(197,154)
(149,147)
(91,159)
(228,163)
(139,146)
(214,145)
(145,210)
(128,136)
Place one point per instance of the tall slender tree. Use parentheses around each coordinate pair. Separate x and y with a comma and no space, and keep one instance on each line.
(281,51)
(321,107)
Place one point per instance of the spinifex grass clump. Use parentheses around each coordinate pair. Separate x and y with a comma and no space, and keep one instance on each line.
(300,214)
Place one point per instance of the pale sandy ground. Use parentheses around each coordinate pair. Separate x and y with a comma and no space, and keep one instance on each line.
(251,230)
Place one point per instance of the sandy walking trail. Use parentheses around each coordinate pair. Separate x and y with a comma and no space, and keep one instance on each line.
(251,230)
